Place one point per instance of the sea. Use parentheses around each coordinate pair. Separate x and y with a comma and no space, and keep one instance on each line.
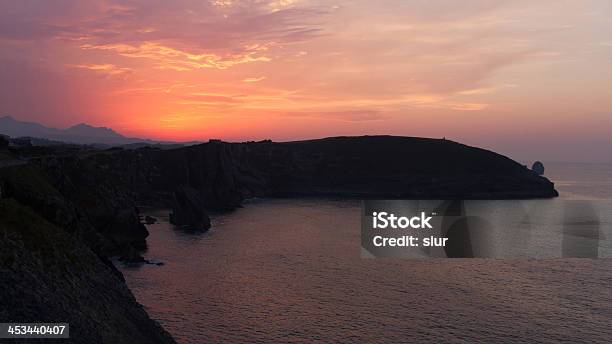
(291,271)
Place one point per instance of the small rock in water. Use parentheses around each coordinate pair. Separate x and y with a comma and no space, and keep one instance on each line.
(149,220)
(188,210)
(130,255)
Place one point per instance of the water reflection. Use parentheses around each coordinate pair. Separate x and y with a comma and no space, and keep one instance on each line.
(289,271)
(581,230)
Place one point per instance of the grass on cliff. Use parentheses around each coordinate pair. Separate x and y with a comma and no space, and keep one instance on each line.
(23,231)
(28,176)
(5,156)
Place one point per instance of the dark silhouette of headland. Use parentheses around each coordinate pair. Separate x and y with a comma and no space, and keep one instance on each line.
(65,209)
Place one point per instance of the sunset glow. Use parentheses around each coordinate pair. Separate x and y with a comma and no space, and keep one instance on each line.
(526,78)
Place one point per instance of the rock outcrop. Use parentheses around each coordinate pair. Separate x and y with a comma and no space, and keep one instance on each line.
(538,168)
(188,210)
(3,142)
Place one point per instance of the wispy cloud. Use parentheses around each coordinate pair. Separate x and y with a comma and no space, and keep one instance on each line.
(254,79)
(180,60)
(107,68)
(358,115)
(209,98)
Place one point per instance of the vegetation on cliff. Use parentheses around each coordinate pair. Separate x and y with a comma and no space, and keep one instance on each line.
(50,276)
(54,268)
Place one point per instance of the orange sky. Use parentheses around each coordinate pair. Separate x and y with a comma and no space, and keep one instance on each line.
(528,78)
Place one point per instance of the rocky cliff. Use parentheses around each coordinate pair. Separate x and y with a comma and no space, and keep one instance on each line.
(50,276)
(54,268)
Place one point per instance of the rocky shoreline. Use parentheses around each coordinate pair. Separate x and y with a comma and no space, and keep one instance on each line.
(90,198)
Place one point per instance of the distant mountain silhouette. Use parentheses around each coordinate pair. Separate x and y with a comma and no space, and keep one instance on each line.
(98,132)
(80,133)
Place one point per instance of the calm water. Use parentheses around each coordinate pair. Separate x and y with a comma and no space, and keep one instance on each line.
(290,271)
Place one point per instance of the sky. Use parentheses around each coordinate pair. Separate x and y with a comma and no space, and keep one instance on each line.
(529,79)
